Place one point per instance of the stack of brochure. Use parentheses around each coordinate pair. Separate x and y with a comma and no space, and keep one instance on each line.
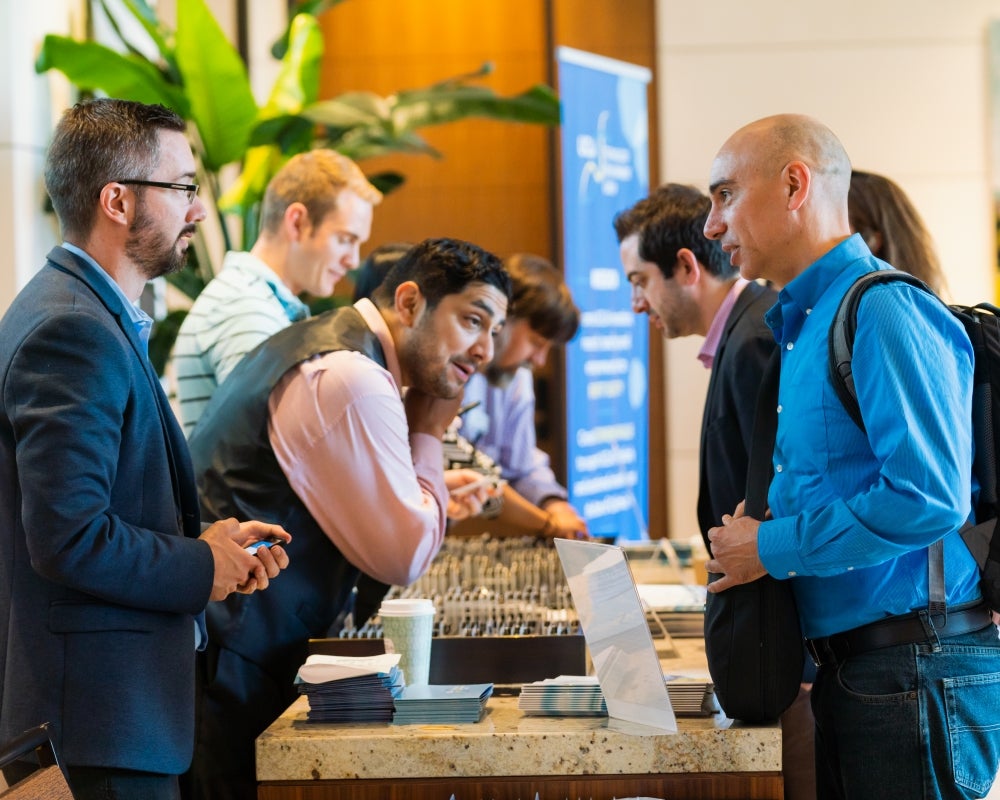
(581,696)
(680,608)
(692,695)
(344,689)
(442,705)
(565,696)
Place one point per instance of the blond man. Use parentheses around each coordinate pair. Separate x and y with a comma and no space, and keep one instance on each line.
(316,214)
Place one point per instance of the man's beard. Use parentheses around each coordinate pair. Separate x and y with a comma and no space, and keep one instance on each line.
(149,250)
(422,363)
(500,377)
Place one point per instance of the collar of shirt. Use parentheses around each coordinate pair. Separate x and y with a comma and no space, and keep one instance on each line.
(366,308)
(140,319)
(797,300)
(294,308)
(711,344)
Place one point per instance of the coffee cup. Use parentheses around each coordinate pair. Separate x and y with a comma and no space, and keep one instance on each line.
(407,629)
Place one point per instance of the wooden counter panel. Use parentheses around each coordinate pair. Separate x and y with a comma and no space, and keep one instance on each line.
(706,786)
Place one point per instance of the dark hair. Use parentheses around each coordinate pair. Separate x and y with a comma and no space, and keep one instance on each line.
(671,218)
(96,143)
(372,271)
(886,219)
(441,267)
(542,298)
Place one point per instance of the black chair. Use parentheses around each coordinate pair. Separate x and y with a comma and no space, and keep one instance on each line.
(48,782)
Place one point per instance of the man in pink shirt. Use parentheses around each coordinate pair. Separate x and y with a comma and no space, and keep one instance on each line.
(311,429)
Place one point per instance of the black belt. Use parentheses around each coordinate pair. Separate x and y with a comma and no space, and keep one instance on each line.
(906,629)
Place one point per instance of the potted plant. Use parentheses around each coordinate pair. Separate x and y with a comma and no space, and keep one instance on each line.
(198,73)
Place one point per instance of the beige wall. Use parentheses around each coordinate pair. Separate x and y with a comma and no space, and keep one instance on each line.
(26,103)
(30,104)
(904,83)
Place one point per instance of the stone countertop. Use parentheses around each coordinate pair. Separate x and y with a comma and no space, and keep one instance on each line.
(509,743)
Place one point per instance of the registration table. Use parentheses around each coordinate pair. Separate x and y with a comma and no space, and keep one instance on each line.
(513,756)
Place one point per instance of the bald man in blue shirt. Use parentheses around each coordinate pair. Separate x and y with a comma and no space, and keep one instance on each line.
(906,702)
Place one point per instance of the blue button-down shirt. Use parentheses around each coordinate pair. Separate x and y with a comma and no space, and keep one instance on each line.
(140,319)
(503,427)
(854,513)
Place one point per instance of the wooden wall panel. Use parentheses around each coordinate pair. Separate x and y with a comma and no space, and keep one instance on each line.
(497,184)
(493,184)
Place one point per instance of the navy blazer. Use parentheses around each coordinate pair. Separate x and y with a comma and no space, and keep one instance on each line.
(101,575)
(727,424)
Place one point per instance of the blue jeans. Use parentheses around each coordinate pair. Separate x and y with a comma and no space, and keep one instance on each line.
(911,721)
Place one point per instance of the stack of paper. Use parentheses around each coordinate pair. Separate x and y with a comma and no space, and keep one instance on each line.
(691,695)
(680,608)
(565,696)
(442,705)
(345,689)
(581,696)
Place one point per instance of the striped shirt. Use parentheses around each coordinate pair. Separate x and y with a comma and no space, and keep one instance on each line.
(241,307)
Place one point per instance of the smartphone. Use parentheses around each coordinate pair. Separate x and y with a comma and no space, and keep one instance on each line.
(269,542)
(468,488)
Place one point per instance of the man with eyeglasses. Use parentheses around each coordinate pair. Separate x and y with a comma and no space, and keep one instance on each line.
(189,189)
(104,570)
(316,214)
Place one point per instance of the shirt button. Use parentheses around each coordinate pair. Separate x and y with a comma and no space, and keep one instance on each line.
(809,311)
(792,573)
(780,408)
(790,346)
(778,468)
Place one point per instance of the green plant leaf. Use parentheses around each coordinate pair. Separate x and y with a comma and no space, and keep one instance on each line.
(295,87)
(386,182)
(258,167)
(438,105)
(350,110)
(222,104)
(160,36)
(292,134)
(360,144)
(187,280)
(313,8)
(89,66)
(297,84)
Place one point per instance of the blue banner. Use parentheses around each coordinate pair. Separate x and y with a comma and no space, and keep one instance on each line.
(605,169)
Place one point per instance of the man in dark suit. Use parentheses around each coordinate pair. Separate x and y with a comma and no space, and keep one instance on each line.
(104,569)
(687,286)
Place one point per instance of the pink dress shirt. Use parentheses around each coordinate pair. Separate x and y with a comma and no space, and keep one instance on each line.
(706,355)
(339,431)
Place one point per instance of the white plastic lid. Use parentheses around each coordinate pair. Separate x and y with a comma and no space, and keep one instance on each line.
(408,607)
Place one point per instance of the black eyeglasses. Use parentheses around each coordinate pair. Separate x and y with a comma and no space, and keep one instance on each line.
(191,189)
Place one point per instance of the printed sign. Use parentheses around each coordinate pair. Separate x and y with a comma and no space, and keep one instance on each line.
(605,169)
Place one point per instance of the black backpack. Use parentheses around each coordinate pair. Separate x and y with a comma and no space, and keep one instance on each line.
(982,324)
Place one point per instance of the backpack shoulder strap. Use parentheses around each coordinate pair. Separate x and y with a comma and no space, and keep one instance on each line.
(842,332)
(841,348)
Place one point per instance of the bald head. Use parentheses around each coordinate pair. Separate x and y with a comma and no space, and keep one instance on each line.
(783,138)
(779,196)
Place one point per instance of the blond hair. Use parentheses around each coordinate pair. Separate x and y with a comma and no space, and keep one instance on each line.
(314,178)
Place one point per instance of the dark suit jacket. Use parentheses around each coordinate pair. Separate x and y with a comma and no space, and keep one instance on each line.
(727,424)
(100,574)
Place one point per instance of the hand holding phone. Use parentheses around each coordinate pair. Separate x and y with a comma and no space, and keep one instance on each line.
(269,542)
(468,488)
